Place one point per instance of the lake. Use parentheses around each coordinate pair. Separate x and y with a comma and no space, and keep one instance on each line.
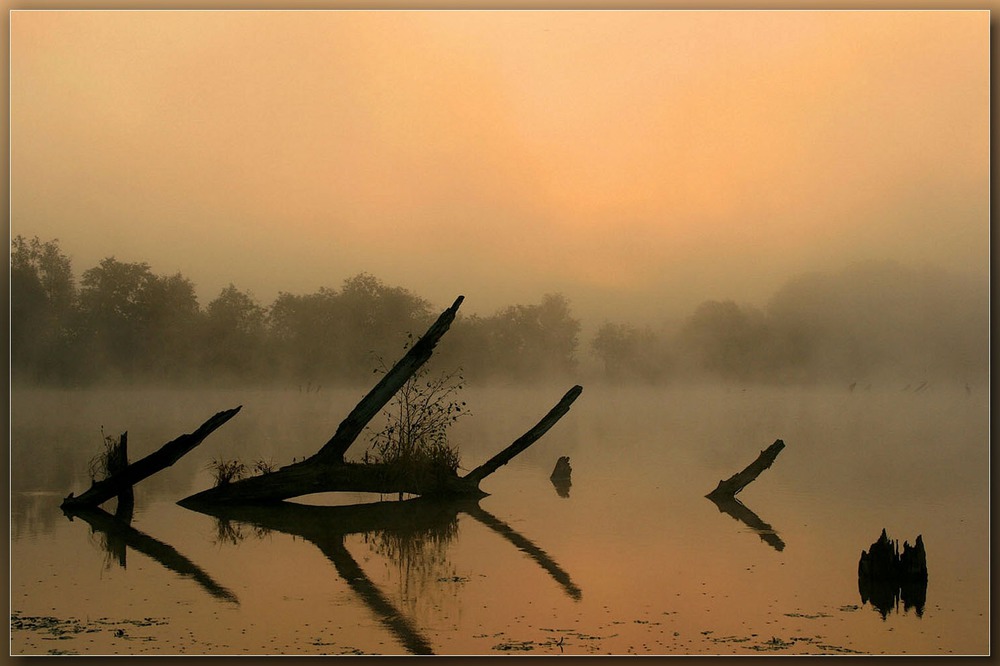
(631,558)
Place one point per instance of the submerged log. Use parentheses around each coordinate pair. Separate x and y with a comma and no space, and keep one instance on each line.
(737,482)
(165,456)
(562,470)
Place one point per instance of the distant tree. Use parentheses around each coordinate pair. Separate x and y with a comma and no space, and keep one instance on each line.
(628,352)
(374,320)
(726,340)
(172,323)
(42,307)
(235,330)
(137,323)
(534,341)
(303,334)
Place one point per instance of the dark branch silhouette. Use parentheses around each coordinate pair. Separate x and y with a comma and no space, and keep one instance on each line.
(737,482)
(165,456)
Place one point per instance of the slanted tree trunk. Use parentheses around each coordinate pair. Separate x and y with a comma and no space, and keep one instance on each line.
(525,440)
(165,456)
(333,451)
(737,482)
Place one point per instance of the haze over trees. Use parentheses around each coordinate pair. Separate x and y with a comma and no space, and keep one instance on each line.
(123,323)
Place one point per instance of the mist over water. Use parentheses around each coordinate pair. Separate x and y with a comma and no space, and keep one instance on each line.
(657,568)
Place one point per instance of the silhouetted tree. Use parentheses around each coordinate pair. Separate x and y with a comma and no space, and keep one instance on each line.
(235,329)
(135,322)
(534,341)
(630,353)
(725,340)
(42,307)
(338,335)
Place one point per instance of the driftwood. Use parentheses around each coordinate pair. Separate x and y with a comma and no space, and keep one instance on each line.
(117,462)
(121,482)
(737,482)
(886,576)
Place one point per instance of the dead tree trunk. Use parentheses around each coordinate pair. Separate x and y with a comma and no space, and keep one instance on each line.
(165,456)
(525,440)
(737,482)
(333,451)
(117,462)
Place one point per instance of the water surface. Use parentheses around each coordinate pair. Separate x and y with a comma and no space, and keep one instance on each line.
(630,558)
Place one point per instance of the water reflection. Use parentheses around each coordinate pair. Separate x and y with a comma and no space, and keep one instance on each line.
(562,476)
(885,595)
(118,535)
(413,534)
(739,511)
(526,546)
(562,486)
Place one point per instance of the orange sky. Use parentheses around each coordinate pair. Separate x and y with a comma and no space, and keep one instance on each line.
(638,162)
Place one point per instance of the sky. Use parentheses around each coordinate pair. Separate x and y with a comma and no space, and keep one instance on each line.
(637,162)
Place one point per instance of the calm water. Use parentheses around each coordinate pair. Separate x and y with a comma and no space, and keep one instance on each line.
(630,559)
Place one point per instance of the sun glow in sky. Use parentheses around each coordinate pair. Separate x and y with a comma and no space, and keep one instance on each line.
(639,162)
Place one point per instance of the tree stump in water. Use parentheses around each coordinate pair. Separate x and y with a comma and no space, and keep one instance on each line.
(560,476)
(885,576)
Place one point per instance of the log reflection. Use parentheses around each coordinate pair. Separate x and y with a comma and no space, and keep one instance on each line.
(525,546)
(118,535)
(739,511)
(406,532)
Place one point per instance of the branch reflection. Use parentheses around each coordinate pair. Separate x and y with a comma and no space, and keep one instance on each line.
(118,535)
(739,511)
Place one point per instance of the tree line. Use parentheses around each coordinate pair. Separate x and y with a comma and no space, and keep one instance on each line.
(122,322)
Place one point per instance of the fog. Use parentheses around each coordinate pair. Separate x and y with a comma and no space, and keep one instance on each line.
(748,196)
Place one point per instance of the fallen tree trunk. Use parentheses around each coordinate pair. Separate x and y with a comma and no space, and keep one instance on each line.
(165,456)
(316,476)
(737,482)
